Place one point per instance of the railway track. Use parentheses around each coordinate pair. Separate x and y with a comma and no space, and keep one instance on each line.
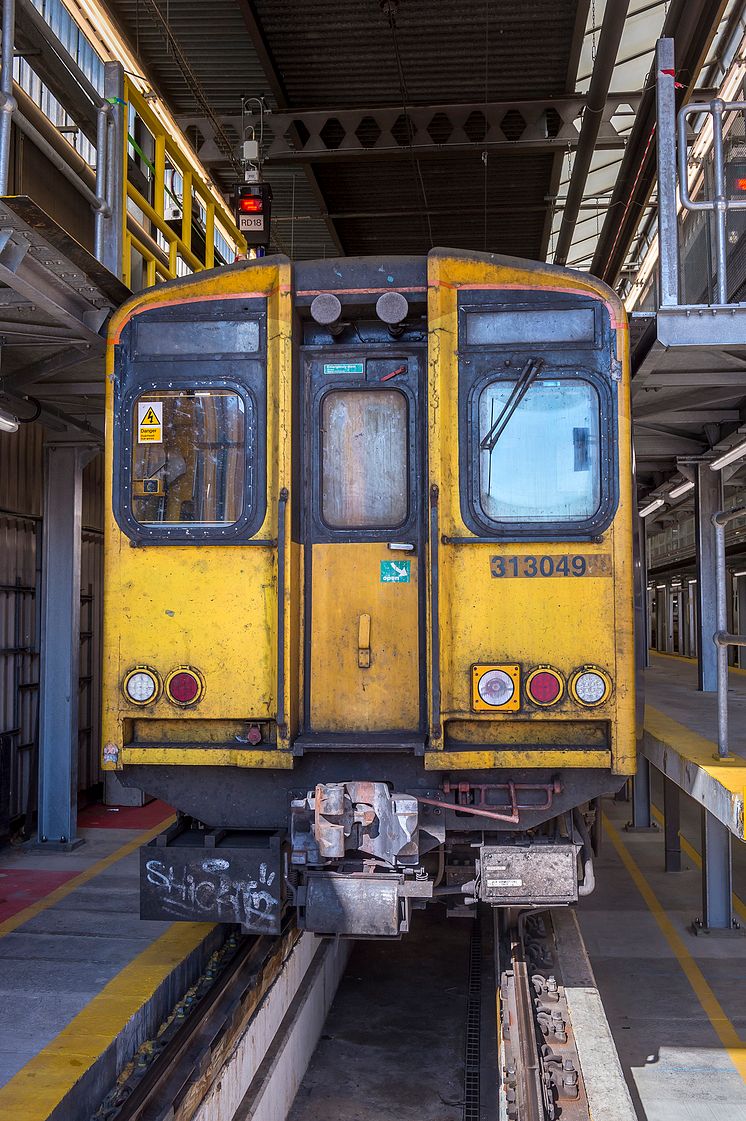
(170,1073)
(542,1078)
(256,1016)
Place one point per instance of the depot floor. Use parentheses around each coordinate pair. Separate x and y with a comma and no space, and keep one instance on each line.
(676,1002)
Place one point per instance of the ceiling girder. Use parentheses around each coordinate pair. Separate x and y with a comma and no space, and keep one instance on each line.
(549,124)
(44,368)
(673,415)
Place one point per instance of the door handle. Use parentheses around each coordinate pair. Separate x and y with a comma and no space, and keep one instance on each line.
(401,546)
(363,642)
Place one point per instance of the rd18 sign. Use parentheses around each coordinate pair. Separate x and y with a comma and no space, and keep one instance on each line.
(150,422)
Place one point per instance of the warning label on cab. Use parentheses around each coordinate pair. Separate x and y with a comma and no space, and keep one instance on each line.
(150,422)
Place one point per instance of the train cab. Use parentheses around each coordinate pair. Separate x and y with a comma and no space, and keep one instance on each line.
(369,574)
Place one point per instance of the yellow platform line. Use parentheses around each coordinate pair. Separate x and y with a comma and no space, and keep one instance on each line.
(691,852)
(39,1087)
(20,917)
(724,1029)
(689,659)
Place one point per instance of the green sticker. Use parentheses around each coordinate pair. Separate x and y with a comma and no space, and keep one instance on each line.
(344,368)
(395,572)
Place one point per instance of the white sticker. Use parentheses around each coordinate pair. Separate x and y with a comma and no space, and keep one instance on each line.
(248,222)
(150,422)
(504,883)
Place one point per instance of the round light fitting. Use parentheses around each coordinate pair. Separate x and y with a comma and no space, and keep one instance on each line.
(590,686)
(141,685)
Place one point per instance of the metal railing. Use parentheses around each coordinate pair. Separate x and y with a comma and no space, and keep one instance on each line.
(132,189)
(704,192)
(720,202)
(196,206)
(722,638)
(100,200)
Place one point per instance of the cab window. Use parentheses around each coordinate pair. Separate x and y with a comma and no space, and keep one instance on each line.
(190,452)
(544,463)
(364,465)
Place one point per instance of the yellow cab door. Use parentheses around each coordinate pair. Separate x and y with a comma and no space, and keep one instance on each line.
(364,558)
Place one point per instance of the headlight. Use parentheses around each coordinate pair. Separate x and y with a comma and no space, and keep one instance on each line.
(590,686)
(495,687)
(141,685)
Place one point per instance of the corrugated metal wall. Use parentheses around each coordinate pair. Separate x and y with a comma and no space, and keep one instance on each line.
(21,504)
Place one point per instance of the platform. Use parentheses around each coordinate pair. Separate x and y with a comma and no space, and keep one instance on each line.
(674,1002)
(680,737)
(83,981)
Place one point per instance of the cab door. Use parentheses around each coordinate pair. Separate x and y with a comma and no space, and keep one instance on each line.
(363,543)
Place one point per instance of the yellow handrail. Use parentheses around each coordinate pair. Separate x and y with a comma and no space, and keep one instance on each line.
(214,215)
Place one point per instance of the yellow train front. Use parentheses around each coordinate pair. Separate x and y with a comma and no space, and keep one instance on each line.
(369,610)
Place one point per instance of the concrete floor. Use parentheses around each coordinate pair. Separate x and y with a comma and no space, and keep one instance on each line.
(393,1044)
(671,687)
(52,965)
(83,981)
(675,1063)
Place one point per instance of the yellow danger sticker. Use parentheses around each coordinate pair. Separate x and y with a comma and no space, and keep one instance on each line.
(150,422)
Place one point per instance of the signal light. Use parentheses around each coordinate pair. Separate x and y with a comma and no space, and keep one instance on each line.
(544,686)
(741,184)
(254,212)
(184,686)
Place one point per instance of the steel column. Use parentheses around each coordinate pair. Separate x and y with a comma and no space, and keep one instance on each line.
(642,607)
(60,641)
(720,202)
(641,817)
(668,229)
(116,170)
(708,500)
(717,885)
(100,211)
(7,100)
(672,824)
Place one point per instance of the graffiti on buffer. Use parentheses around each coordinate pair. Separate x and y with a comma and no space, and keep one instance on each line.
(205,889)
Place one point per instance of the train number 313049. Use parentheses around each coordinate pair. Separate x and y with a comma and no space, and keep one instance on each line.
(566,564)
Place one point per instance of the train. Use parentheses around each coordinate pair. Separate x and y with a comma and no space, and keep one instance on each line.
(369,575)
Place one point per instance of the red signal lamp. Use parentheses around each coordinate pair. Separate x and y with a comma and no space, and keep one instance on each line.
(254,212)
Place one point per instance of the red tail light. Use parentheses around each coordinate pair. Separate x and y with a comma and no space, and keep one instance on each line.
(544,686)
(184,686)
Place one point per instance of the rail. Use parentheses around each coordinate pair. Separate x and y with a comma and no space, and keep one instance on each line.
(187,238)
(693,177)
(156,215)
(99,199)
(722,638)
(720,202)
(541,1072)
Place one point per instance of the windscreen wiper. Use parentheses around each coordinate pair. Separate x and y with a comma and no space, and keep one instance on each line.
(526,379)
